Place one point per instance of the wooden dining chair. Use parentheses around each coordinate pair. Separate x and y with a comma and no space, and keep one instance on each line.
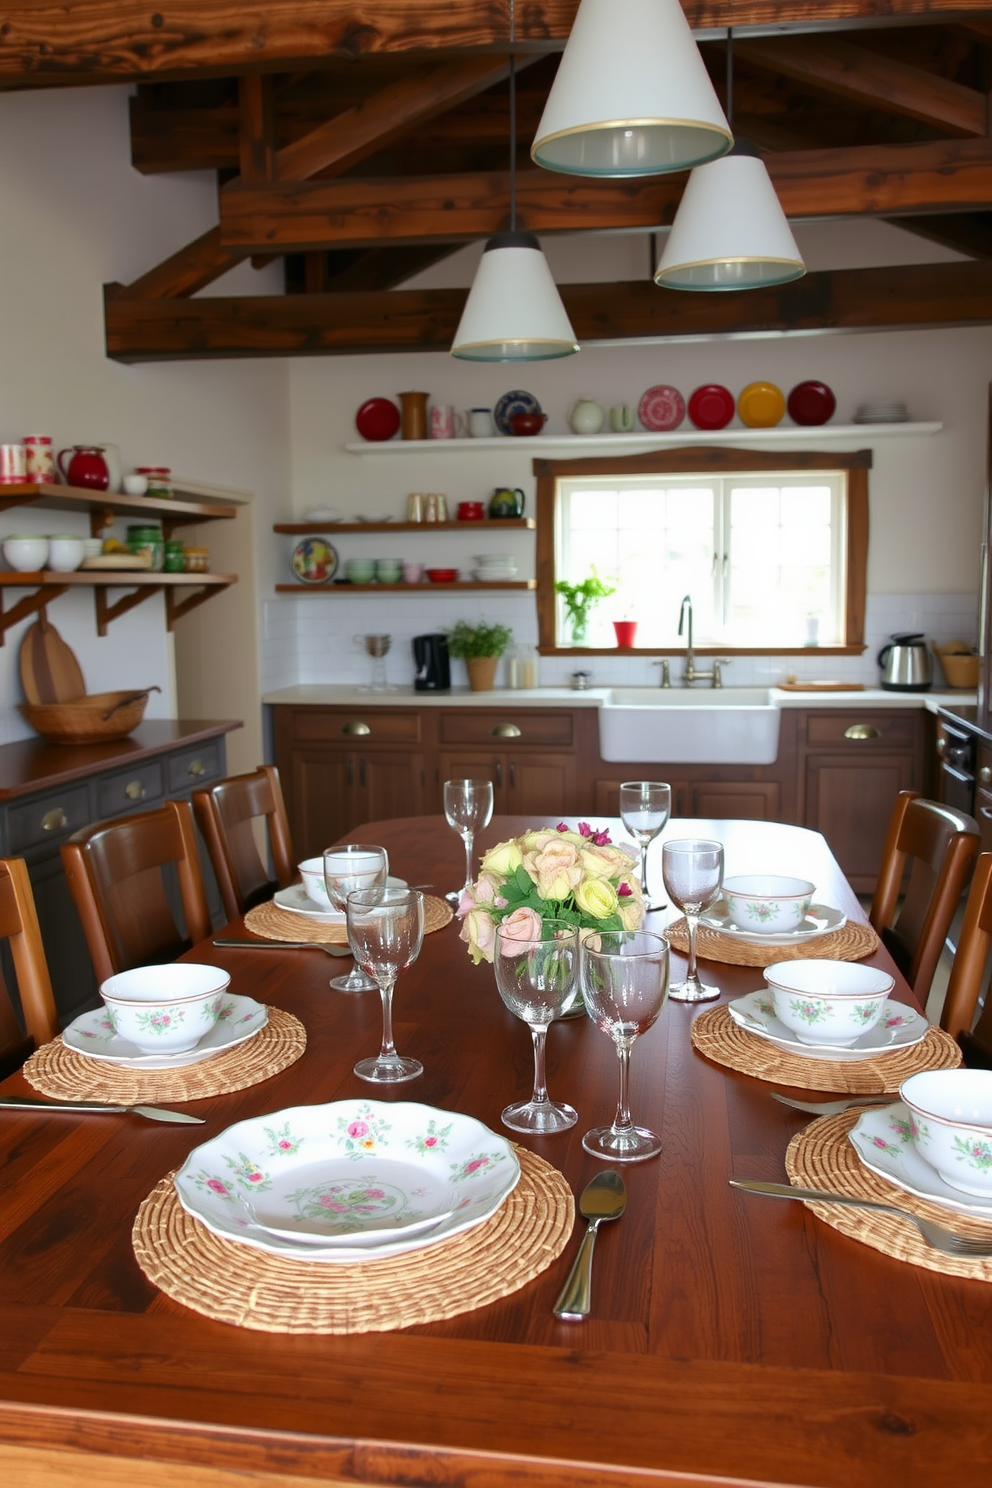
(939,846)
(968,973)
(19,926)
(117,875)
(225,815)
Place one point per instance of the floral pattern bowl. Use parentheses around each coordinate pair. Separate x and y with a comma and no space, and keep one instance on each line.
(828,1002)
(165,1009)
(950,1124)
(353,1180)
(767,903)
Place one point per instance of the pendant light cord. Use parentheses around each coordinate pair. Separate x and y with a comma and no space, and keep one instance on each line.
(513,121)
(730,76)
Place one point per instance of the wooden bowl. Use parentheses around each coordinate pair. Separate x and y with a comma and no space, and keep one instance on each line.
(88,720)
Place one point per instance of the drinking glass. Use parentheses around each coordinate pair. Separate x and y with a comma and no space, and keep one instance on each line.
(624,975)
(346,870)
(538,980)
(645,806)
(386,931)
(468,806)
(693,872)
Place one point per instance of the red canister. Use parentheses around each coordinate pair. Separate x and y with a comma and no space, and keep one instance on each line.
(471,511)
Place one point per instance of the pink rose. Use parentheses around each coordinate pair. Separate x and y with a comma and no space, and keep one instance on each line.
(358,1128)
(557,870)
(479,933)
(624,891)
(217,1186)
(522,925)
(430,1141)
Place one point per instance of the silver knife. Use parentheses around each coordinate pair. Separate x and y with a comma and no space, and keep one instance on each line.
(153,1113)
(328,947)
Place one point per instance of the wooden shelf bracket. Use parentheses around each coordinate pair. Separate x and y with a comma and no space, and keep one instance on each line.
(106,612)
(176,607)
(30,604)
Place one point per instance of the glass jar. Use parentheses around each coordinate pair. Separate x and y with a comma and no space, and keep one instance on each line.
(175,556)
(197,560)
(522,668)
(148,540)
(159,478)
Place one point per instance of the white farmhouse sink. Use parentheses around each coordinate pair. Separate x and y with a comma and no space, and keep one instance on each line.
(689,726)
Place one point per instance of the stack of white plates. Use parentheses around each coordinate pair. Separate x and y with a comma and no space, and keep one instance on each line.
(882,413)
(493,567)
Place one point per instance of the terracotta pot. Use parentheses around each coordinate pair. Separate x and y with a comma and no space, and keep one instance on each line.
(482,672)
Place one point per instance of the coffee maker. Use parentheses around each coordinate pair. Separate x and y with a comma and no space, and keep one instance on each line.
(433,674)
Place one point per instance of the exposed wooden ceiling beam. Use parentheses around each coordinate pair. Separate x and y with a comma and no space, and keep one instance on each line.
(140,330)
(969,233)
(47,42)
(363,269)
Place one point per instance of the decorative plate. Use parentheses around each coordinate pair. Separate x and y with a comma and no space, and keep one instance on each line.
(314,561)
(882,1141)
(297,901)
(811,404)
(761,405)
(711,406)
(516,401)
(661,408)
(821,920)
(368,521)
(93,1034)
(899,1028)
(377,420)
(359,1170)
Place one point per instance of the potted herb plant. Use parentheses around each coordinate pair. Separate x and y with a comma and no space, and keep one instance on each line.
(579,600)
(480,647)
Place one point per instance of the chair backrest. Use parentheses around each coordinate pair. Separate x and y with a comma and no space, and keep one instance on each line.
(19,926)
(940,846)
(115,874)
(225,814)
(968,972)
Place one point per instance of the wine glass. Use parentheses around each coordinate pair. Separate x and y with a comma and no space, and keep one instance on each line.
(346,870)
(645,806)
(377,646)
(624,976)
(386,931)
(693,873)
(538,980)
(468,806)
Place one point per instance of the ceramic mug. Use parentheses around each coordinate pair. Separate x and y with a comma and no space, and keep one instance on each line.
(480,423)
(442,421)
(39,458)
(622,418)
(13,468)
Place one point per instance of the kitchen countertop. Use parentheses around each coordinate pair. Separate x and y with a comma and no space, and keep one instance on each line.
(316,694)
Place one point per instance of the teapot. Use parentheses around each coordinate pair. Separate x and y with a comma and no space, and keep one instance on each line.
(506,502)
(87,468)
(587,416)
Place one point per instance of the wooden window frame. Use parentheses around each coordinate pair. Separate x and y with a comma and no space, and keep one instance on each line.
(696,460)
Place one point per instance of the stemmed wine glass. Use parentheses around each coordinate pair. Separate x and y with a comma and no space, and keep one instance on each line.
(624,977)
(645,806)
(468,807)
(538,980)
(346,870)
(386,931)
(693,872)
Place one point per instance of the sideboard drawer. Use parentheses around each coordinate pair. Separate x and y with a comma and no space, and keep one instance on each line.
(48,818)
(128,790)
(882,730)
(509,726)
(196,767)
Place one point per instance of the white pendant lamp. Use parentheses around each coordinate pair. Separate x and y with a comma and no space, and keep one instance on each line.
(632,96)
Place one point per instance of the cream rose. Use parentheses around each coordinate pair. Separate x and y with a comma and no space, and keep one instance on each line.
(631,912)
(557,870)
(597,898)
(502,859)
(479,932)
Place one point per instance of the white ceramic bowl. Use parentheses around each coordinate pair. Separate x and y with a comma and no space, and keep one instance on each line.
(312,873)
(165,1009)
(767,903)
(26,554)
(951,1125)
(65,552)
(135,485)
(828,1002)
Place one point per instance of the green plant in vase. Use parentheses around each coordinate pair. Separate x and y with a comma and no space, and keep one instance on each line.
(480,647)
(579,600)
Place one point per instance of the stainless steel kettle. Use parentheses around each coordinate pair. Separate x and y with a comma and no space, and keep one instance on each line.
(906,664)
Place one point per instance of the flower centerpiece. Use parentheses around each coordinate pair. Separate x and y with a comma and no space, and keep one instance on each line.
(551,873)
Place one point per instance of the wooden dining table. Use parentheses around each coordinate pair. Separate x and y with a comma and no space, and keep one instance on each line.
(732,1339)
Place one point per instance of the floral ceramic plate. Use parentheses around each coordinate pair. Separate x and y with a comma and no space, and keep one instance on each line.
(661,408)
(92,1034)
(899,1028)
(353,1170)
(821,920)
(314,561)
(512,403)
(298,901)
(883,1143)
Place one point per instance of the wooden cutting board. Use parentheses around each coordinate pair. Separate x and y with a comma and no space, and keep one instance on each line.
(821,686)
(50,672)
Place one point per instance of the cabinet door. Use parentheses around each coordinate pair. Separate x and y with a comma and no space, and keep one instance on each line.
(850,802)
(390,785)
(540,785)
(321,803)
(481,764)
(748,800)
(606,794)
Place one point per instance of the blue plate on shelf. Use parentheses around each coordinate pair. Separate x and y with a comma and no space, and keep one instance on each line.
(512,403)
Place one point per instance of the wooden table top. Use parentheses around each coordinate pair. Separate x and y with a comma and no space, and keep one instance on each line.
(732,1339)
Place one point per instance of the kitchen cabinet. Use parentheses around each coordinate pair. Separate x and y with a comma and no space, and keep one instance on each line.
(747,800)
(526,783)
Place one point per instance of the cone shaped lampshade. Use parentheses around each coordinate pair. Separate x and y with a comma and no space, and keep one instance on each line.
(730,231)
(513,312)
(632,96)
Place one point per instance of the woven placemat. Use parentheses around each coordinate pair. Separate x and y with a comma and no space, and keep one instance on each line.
(273,923)
(63,1074)
(715,1034)
(821,1156)
(233,1283)
(849,943)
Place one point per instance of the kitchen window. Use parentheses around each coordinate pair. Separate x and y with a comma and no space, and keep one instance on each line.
(772,548)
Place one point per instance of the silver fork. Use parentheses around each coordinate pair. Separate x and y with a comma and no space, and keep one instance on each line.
(934,1234)
(833,1108)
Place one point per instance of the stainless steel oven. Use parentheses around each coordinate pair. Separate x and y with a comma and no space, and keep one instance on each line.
(956,747)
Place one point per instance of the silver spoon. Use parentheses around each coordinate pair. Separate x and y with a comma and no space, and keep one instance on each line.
(604,1198)
(833,1108)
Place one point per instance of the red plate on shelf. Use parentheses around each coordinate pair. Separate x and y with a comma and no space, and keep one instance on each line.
(377,419)
(711,406)
(661,408)
(811,403)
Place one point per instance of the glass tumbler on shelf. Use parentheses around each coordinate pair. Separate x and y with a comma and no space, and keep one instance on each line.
(693,872)
(386,931)
(468,807)
(346,870)
(645,806)
(538,979)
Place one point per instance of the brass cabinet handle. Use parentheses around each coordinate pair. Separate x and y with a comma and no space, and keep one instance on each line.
(862,731)
(984,811)
(134,790)
(196,768)
(54,821)
(985,774)
(505,731)
(353,729)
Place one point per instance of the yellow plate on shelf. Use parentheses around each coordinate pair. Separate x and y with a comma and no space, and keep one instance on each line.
(761,405)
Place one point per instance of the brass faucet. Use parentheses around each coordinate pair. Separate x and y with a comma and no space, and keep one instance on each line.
(690,674)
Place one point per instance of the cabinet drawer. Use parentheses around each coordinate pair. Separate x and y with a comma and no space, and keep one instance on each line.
(513,726)
(195,767)
(129,789)
(859,730)
(356,726)
(48,818)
